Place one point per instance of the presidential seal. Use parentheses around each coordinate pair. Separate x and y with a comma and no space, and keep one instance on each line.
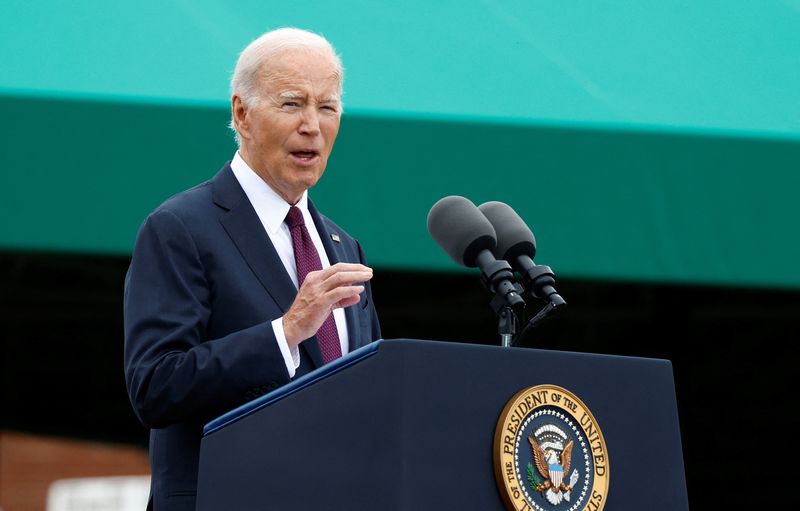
(549,453)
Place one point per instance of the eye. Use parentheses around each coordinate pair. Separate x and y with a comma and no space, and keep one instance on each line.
(290,104)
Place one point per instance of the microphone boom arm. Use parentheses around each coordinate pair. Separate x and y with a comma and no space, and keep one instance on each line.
(540,282)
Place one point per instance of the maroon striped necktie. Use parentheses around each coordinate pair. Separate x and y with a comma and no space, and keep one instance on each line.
(307,260)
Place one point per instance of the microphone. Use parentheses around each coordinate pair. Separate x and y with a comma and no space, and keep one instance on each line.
(516,244)
(464,233)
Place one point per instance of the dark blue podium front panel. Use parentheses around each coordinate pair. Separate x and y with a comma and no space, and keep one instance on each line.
(409,425)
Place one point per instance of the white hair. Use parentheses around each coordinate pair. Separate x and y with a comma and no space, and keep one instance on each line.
(255,59)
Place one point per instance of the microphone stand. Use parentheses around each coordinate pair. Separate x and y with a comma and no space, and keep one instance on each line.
(497,277)
(507,322)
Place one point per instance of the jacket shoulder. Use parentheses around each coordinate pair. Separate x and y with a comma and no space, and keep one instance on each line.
(187,201)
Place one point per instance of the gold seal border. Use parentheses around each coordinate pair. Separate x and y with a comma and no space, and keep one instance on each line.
(512,496)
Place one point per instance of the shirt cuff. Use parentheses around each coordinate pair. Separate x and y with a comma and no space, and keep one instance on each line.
(291,356)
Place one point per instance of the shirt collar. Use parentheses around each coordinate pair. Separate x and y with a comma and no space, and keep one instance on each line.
(270,207)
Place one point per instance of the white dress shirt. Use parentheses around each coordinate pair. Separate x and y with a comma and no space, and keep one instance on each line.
(272,209)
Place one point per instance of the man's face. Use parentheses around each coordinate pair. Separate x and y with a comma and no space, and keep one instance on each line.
(288,134)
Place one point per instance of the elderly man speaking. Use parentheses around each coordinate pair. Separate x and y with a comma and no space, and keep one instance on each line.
(239,284)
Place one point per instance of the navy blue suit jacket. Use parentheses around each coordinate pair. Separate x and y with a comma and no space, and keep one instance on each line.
(203,287)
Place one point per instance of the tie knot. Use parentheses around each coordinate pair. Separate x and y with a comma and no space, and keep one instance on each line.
(294,218)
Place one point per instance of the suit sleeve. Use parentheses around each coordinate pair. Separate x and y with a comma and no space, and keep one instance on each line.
(173,371)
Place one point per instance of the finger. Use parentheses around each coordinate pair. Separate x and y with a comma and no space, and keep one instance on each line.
(343,296)
(345,278)
(350,267)
(346,302)
(342,267)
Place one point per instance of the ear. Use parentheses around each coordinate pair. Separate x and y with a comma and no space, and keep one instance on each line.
(239,116)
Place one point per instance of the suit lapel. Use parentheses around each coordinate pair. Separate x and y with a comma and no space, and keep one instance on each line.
(337,253)
(245,230)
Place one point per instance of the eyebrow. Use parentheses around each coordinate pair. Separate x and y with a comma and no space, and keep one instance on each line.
(295,95)
(290,95)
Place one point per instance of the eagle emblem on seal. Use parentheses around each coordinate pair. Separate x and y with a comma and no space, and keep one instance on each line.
(553,458)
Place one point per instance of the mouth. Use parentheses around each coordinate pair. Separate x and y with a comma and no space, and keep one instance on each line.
(305,156)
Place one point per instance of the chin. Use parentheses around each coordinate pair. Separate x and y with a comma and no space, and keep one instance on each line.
(309,179)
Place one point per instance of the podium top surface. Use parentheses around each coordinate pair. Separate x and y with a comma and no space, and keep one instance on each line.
(365,352)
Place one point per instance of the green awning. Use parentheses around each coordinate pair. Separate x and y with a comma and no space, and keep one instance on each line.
(640,140)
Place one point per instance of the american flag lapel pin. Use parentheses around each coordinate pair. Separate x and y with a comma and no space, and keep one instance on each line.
(335,237)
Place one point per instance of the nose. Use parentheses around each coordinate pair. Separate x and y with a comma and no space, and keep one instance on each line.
(309,123)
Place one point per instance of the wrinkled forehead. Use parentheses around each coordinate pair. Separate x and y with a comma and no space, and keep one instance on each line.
(295,69)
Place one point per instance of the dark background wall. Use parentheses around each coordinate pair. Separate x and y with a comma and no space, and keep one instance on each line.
(734,352)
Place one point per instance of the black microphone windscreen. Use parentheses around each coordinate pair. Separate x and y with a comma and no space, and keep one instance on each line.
(514,238)
(460,229)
